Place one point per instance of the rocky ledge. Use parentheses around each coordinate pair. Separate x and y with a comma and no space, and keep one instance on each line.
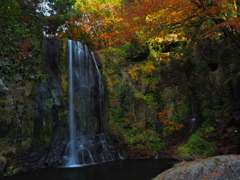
(226,167)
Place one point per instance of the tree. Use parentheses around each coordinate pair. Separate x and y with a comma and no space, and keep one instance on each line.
(93,23)
(57,13)
(146,19)
(102,23)
(19,33)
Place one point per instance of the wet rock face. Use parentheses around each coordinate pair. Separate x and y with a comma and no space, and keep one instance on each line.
(49,94)
(214,168)
(50,121)
(46,156)
(52,49)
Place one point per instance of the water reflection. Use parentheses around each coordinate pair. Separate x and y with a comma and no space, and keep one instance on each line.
(115,170)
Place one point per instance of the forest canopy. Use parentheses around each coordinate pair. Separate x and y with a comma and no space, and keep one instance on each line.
(103,23)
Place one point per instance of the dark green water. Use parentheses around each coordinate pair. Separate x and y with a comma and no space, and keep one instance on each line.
(115,170)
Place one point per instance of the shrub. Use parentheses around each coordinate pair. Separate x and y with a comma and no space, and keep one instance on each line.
(196,147)
(147,139)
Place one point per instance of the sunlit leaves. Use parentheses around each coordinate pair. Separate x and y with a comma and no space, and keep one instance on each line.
(95,23)
(144,71)
(103,23)
(214,31)
(151,18)
(134,73)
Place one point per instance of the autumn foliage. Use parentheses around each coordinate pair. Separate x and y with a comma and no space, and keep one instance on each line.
(129,119)
(166,121)
(147,19)
(108,23)
(146,68)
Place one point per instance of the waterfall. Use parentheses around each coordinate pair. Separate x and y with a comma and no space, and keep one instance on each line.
(87,141)
(193,116)
(192,124)
(72,124)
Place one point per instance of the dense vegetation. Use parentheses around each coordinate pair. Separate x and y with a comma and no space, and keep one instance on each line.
(171,69)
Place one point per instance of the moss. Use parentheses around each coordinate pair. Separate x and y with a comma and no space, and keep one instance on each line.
(169,94)
(48,103)
(64,70)
(25,145)
(28,88)
(55,98)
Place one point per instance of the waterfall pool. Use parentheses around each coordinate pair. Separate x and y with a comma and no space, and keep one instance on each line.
(114,170)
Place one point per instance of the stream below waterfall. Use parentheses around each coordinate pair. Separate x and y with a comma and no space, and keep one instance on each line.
(114,170)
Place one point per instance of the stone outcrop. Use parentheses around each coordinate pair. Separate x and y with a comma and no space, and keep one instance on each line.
(213,168)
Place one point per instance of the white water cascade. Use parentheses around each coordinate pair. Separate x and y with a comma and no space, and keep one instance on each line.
(72,130)
(87,142)
(193,116)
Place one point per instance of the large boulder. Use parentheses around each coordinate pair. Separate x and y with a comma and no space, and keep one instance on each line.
(214,168)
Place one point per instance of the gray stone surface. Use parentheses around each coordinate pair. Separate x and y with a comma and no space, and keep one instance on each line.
(225,167)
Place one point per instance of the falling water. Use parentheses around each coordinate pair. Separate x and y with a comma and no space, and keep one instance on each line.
(72,154)
(193,116)
(192,124)
(88,143)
